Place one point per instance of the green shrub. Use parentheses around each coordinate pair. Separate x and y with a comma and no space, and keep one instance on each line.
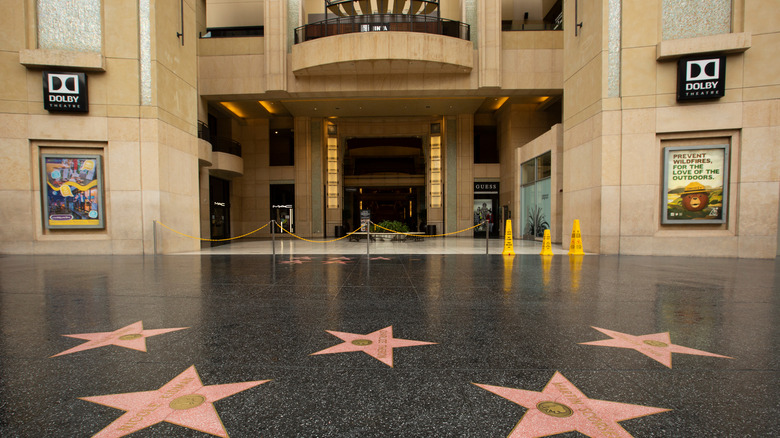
(390,225)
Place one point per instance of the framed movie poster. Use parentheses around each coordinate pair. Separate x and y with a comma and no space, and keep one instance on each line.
(483,212)
(695,184)
(72,191)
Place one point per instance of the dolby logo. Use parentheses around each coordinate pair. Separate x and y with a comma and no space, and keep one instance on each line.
(703,70)
(64,91)
(60,83)
(701,78)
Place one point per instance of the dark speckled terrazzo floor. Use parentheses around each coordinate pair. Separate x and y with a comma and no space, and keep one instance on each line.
(503,322)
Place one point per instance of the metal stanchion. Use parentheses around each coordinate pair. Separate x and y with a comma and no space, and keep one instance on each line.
(368,238)
(273,237)
(487,237)
(154,235)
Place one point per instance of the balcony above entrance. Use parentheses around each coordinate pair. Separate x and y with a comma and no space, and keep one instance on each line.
(382,37)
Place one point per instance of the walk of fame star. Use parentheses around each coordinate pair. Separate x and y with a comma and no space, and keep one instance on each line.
(132,336)
(656,346)
(183,401)
(378,344)
(561,407)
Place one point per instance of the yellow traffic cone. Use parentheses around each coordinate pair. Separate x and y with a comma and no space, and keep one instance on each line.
(575,247)
(546,244)
(509,246)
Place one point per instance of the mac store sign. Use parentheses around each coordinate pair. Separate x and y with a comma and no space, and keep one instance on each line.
(64,91)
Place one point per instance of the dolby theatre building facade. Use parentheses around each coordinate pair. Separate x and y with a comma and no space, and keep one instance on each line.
(654,123)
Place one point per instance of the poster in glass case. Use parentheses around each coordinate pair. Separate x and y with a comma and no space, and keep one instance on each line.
(695,184)
(72,191)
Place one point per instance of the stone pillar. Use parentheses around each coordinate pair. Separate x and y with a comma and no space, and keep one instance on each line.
(275,38)
(489,43)
(465,183)
(592,124)
(303,176)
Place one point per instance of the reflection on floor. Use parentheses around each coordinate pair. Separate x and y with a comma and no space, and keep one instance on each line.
(315,345)
(435,245)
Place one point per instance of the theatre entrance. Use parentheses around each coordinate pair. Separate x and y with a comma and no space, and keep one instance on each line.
(400,204)
(385,175)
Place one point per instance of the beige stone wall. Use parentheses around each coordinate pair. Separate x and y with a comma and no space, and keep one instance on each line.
(613,174)
(532,60)
(150,152)
(234,13)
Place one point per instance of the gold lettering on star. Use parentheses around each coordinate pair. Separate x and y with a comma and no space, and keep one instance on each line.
(554,409)
(571,396)
(593,417)
(170,392)
(137,418)
(130,337)
(187,402)
(653,343)
(362,342)
(381,351)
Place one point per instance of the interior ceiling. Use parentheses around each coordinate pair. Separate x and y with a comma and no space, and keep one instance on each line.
(373,107)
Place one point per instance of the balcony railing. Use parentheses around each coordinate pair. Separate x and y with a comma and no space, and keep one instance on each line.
(226,145)
(203,131)
(233,32)
(382,23)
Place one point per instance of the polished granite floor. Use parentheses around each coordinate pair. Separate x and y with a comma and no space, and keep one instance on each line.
(394,345)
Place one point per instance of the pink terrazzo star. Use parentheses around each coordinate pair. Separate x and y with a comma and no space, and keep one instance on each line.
(183,401)
(132,336)
(561,407)
(378,344)
(656,346)
(340,262)
(379,258)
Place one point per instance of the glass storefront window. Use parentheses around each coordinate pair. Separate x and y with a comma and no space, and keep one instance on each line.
(528,172)
(536,200)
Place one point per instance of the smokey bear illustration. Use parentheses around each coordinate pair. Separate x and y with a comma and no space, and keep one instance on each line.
(695,197)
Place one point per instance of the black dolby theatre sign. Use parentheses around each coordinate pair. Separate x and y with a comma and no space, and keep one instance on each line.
(65,92)
(701,78)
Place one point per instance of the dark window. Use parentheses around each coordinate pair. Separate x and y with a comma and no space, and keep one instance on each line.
(282,147)
(212,122)
(485,144)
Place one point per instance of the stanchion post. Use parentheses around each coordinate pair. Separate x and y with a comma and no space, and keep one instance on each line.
(154,235)
(487,237)
(368,238)
(273,237)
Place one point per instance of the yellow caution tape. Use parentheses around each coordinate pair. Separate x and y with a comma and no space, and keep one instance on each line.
(428,235)
(317,241)
(212,240)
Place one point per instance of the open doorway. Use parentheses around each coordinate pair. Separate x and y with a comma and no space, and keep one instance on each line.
(283,206)
(219,208)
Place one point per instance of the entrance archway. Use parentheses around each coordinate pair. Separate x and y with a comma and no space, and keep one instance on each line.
(385,175)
